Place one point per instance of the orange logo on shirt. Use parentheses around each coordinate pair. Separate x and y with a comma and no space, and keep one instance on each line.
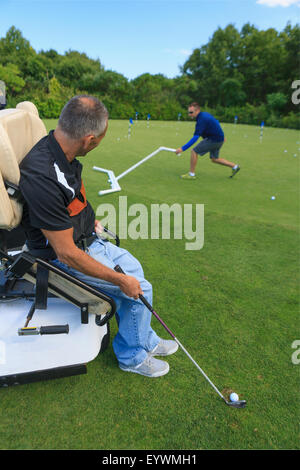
(76,206)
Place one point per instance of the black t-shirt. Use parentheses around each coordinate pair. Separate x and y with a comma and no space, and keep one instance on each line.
(50,184)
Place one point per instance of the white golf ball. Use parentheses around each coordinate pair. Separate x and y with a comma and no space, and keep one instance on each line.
(273,197)
(234,397)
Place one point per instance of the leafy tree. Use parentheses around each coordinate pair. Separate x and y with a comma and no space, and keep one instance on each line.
(72,66)
(290,37)
(246,73)
(13,46)
(10,74)
(185,90)
(215,62)
(231,92)
(263,62)
(276,102)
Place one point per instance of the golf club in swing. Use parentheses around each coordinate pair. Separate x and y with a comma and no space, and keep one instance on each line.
(234,404)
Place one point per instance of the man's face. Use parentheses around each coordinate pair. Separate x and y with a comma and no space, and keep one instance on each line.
(193,112)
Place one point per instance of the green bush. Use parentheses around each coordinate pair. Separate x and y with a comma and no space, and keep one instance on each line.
(50,108)
(292,120)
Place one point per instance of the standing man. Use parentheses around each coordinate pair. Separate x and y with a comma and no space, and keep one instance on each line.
(60,225)
(2,95)
(213,138)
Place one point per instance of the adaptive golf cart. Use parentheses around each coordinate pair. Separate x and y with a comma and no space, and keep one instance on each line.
(51,324)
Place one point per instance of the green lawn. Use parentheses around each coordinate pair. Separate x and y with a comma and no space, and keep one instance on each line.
(234,305)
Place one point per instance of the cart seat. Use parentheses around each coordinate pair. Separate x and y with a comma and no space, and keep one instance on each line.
(20,130)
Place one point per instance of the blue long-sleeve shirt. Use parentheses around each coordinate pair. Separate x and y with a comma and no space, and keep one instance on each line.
(207,127)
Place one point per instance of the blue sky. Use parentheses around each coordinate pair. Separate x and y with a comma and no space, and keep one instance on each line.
(138,36)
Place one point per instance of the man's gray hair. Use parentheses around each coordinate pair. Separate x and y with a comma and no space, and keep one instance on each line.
(83,115)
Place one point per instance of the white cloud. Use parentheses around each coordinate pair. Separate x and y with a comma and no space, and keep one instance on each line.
(185,52)
(279,3)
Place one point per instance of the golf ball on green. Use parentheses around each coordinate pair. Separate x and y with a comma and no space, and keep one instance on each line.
(234,397)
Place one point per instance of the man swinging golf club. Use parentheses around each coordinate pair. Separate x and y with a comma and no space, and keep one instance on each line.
(213,138)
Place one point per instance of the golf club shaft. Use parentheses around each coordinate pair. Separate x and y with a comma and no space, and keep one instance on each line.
(199,368)
(181,346)
(146,303)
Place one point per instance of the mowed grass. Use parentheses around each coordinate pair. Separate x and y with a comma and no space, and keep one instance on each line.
(234,305)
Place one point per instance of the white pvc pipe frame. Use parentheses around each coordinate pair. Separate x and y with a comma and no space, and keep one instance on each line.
(113,179)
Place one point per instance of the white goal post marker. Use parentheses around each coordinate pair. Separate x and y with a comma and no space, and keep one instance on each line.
(113,179)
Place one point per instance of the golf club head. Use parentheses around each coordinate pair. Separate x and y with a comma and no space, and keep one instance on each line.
(237,404)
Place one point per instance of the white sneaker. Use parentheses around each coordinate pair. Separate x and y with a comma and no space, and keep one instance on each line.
(151,367)
(165,348)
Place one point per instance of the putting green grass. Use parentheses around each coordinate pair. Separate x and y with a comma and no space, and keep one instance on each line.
(234,305)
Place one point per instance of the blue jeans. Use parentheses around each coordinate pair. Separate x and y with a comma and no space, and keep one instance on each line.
(135,337)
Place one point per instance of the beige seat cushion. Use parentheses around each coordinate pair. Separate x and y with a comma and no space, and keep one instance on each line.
(20,130)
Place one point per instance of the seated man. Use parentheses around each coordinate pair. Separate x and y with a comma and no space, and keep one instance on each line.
(60,225)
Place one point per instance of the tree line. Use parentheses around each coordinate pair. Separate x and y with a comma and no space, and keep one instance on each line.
(246,74)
